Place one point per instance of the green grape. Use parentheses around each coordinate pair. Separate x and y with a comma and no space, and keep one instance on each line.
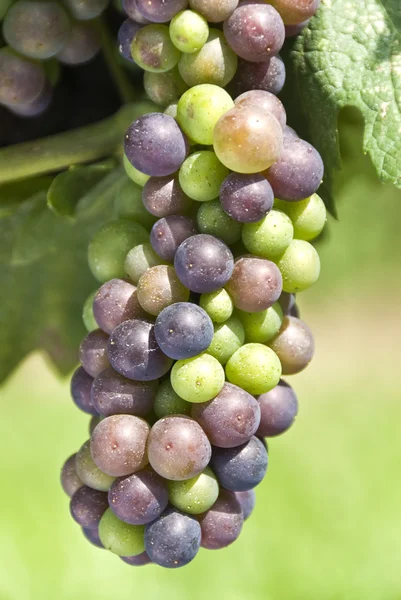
(135,175)
(201,175)
(87,313)
(110,245)
(195,495)
(212,219)
(228,338)
(167,402)
(218,305)
(171,110)
(214,63)
(308,216)
(89,473)
(188,31)
(270,236)
(164,88)
(139,259)
(261,326)
(299,266)
(153,50)
(255,368)
(197,379)
(128,205)
(119,537)
(199,109)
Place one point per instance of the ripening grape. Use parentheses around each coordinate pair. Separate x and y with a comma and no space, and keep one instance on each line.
(69,479)
(37,106)
(246,197)
(160,11)
(268,76)
(195,495)
(87,313)
(212,219)
(247,502)
(218,305)
(136,176)
(21,81)
(81,385)
(131,8)
(214,11)
(128,204)
(164,88)
(81,46)
(296,11)
(159,287)
(265,100)
(93,352)
(255,285)
(115,302)
(113,394)
(168,402)
(153,50)
(228,338)
(260,327)
(87,506)
(119,537)
(125,37)
(289,134)
(163,196)
(278,409)
(201,175)
(92,535)
(89,9)
(294,345)
(255,368)
(270,236)
(222,524)
(88,472)
(169,232)
(241,468)
(171,110)
(188,31)
(299,266)
(197,379)
(139,259)
(308,216)
(137,561)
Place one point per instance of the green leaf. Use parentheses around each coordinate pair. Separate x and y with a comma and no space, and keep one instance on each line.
(12,194)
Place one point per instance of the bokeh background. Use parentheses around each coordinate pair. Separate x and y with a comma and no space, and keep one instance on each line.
(327,524)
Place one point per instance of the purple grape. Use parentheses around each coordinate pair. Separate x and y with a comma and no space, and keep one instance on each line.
(242,468)
(247,502)
(137,561)
(37,107)
(81,385)
(221,524)
(93,354)
(265,100)
(82,45)
(125,35)
(203,263)
(87,506)
(134,353)
(292,30)
(155,145)
(169,232)
(160,11)
(131,8)
(289,134)
(113,394)
(255,285)
(287,302)
(294,345)
(115,302)
(163,196)
(278,409)
(69,479)
(268,76)
(92,535)
(246,198)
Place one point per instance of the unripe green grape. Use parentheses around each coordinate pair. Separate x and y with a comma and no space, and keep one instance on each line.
(139,259)
(128,205)
(308,216)
(89,473)
(153,50)
(262,326)
(195,495)
(270,236)
(87,313)
(228,338)
(133,173)
(171,110)
(201,175)
(164,88)
(255,368)
(212,219)
(199,109)
(197,379)
(218,305)
(121,538)
(188,31)
(168,402)
(299,266)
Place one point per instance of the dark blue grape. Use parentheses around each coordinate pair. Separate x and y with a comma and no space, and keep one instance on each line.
(125,35)
(246,198)
(247,501)
(69,479)
(221,524)
(113,394)
(92,535)
(81,384)
(87,506)
(169,232)
(137,561)
(241,468)
(268,76)
(278,409)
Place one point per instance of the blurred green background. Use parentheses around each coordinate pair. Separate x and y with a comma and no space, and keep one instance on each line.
(327,524)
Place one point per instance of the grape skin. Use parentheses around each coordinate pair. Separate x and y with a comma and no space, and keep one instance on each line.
(255,285)
(164,88)
(254,367)
(92,535)
(88,472)
(247,501)
(299,266)
(196,495)
(81,46)
(137,561)
(139,259)
(81,385)
(87,506)
(242,468)
(115,302)
(268,76)
(168,402)
(295,12)
(197,379)
(222,524)
(265,100)
(228,338)
(278,409)
(119,537)
(169,232)
(93,352)
(159,287)
(131,8)
(125,36)
(160,11)
(163,196)
(212,219)
(84,11)
(188,31)
(114,394)
(21,81)
(246,198)
(153,50)
(69,479)
(294,345)
(214,11)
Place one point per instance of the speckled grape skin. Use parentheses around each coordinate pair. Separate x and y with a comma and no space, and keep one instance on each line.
(299,266)
(163,196)
(118,445)
(139,498)
(88,472)
(164,88)
(155,145)
(227,338)
(134,352)
(308,216)
(178,448)
(173,540)
(218,305)
(247,502)
(159,287)
(168,402)
(92,535)
(294,12)
(213,220)
(195,495)
(230,419)
(87,506)
(278,409)
(119,537)
(125,35)
(268,76)
(222,524)
(81,46)
(262,326)
(22,80)
(93,354)
(214,11)
(246,197)
(160,11)
(131,8)
(139,259)
(265,100)
(69,479)
(169,232)
(270,236)
(137,561)
(81,384)
(152,49)
(255,368)
(115,302)
(197,379)
(242,468)
(255,285)
(294,345)
(114,394)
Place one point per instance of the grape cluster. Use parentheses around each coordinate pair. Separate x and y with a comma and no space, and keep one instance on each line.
(195,321)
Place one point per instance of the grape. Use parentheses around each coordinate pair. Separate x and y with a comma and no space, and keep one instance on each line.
(260,327)
(168,233)
(163,196)
(242,468)
(92,535)
(292,30)
(270,236)
(153,50)
(214,11)
(87,9)
(201,175)
(203,263)
(128,205)
(119,537)
(36,29)
(113,394)
(21,81)
(255,368)
(125,36)
(115,302)
(88,472)
(294,345)
(248,139)
(139,259)
(255,284)
(214,63)
(137,561)
(298,172)
(134,353)
(247,502)
(278,409)
(35,108)
(118,445)
(93,422)
(246,198)
(159,287)
(197,379)
(93,354)
(109,246)
(69,478)
(228,338)
(160,11)
(230,419)
(255,31)
(289,134)
(167,402)
(139,498)
(212,219)
(173,540)
(268,76)
(81,385)
(287,302)
(188,31)
(199,109)
(136,176)
(308,216)
(265,100)
(178,448)
(171,110)
(132,9)
(218,305)
(155,145)
(222,524)
(183,330)
(87,313)
(195,495)
(81,46)
(296,11)
(164,88)
(299,266)
(87,506)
